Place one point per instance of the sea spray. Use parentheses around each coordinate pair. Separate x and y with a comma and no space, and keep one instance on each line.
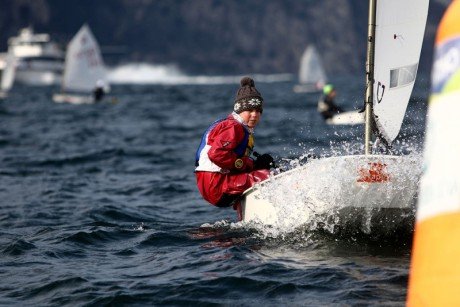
(171,74)
(327,194)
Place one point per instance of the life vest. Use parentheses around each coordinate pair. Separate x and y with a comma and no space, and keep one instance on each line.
(202,161)
(322,106)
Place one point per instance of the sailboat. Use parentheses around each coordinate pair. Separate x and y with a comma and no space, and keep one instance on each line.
(84,69)
(7,73)
(312,76)
(368,186)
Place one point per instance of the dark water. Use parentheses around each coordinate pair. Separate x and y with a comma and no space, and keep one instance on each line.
(99,205)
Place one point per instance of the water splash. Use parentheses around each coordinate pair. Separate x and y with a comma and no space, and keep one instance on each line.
(327,195)
(141,227)
(143,73)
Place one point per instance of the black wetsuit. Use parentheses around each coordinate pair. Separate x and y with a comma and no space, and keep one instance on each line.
(328,108)
(98,93)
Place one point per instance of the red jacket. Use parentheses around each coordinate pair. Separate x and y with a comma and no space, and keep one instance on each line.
(224,166)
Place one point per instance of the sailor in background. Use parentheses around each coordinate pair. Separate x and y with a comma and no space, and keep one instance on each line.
(99,90)
(224,168)
(326,104)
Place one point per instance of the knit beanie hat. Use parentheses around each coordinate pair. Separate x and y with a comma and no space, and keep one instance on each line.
(248,97)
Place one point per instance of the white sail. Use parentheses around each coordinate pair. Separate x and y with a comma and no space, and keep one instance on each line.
(311,69)
(8,73)
(83,64)
(400,26)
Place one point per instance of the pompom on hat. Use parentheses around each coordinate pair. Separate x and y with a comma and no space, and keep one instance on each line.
(248,97)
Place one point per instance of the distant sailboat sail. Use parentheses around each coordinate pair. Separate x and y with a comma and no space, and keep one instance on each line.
(312,75)
(83,63)
(84,70)
(311,69)
(400,27)
(8,73)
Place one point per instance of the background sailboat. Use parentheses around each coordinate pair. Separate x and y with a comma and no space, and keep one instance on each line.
(312,76)
(84,69)
(359,187)
(7,73)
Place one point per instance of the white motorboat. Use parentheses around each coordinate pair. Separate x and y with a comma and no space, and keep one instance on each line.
(39,61)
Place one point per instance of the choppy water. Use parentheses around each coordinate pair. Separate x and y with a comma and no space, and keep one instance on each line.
(99,205)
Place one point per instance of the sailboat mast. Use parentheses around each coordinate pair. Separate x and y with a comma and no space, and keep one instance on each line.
(369,75)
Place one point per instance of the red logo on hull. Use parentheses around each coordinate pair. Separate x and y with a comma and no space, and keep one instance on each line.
(376,173)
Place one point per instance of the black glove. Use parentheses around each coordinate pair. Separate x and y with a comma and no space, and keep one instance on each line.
(264,161)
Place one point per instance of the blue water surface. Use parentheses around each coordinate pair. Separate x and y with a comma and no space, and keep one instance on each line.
(99,204)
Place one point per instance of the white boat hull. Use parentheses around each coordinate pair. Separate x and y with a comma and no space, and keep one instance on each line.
(347,118)
(73,99)
(82,99)
(38,78)
(335,187)
(307,88)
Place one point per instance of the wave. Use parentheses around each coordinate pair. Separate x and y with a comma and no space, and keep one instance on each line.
(144,73)
(17,247)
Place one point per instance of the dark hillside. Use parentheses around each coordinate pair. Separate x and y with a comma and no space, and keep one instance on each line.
(212,36)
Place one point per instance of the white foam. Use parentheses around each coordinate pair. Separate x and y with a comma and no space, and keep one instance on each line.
(313,195)
(144,73)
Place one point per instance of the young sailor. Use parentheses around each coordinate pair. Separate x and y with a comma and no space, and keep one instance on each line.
(326,105)
(99,91)
(224,168)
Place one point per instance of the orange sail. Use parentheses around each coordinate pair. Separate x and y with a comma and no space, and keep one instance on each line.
(435,272)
